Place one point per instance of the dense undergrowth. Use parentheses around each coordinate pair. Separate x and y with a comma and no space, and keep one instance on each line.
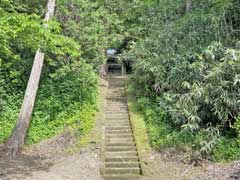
(74,44)
(186,72)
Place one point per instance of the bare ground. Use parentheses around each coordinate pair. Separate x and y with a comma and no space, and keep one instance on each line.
(162,166)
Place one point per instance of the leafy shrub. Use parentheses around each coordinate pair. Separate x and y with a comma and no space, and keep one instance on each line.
(188,65)
(227,149)
(74,45)
(67,99)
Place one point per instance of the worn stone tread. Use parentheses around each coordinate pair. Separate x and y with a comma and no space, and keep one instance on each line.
(121,161)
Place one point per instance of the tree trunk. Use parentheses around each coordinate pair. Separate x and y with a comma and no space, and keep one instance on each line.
(188,5)
(17,138)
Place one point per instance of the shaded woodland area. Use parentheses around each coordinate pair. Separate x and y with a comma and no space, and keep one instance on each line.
(185,68)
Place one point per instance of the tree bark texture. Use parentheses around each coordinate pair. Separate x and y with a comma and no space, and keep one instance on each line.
(17,138)
(188,5)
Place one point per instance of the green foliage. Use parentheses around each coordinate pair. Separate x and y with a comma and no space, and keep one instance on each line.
(187,65)
(227,150)
(23,6)
(68,88)
(92,25)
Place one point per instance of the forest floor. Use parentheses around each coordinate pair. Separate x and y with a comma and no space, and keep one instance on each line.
(59,159)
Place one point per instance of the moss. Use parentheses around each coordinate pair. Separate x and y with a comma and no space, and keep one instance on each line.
(139,129)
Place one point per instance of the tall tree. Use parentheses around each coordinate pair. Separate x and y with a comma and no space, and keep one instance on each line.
(17,138)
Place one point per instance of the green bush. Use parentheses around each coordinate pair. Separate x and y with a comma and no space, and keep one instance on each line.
(187,65)
(227,150)
(74,45)
(67,99)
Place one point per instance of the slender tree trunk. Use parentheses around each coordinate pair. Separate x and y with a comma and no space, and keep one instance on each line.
(188,5)
(17,138)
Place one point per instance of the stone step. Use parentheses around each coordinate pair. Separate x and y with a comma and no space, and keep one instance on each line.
(112,96)
(116,116)
(117,119)
(114,120)
(122,159)
(119,122)
(117,127)
(119,140)
(123,171)
(113,108)
(119,148)
(116,98)
(117,113)
(110,124)
(112,117)
(118,131)
(121,154)
(120,144)
(122,177)
(110,136)
(122,165)
(116,103)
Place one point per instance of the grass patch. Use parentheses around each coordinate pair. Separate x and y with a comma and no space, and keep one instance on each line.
(139,125)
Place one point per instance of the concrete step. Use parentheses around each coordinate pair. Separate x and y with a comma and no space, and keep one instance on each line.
(119,148)
(120,140)
(118,131)
(117,105)
(121,154)
(117,127)
(117,113)
(123,170)
(122,165)
(116,108)
(120,144)
(108,124)
(118,135)
(117,119)
(122,177)
(112,115)
(122,159)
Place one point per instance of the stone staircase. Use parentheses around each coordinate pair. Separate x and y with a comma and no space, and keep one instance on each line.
(120,156)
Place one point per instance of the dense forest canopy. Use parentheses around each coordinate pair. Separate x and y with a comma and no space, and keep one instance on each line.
(184,56)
